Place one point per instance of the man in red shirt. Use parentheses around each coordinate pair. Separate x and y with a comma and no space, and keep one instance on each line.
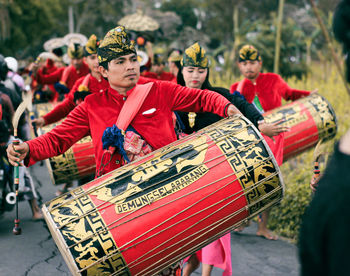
(99,111)
(65,77)
(158,73)
(265,91)
(91,83)
(154,122)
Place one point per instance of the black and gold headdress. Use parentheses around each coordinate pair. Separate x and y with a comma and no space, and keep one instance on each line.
(249,52)
(75,50)
(116,43)
(195,56)
(91,45)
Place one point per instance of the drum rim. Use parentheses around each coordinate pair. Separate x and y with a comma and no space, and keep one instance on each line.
(60,243)
(331,110)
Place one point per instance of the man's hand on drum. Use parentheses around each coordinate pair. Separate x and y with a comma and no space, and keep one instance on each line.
(39,122)
(16,154)
(273,129)
(232,110)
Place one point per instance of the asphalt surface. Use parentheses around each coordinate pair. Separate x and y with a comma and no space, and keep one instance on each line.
(34,252)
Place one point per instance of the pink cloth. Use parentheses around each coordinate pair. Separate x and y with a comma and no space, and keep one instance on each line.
(135,147)
(218,254)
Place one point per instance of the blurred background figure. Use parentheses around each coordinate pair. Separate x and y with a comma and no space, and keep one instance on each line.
(26,186)
(174,62)
(12,74)
(324,239)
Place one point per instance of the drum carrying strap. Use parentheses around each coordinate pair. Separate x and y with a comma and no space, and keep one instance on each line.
(132,105)
(113,137)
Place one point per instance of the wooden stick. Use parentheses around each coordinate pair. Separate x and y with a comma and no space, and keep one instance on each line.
(330,46)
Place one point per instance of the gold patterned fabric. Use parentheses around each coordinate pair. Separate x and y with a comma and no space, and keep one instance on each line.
(116,43)
(91,45)
(75,50)
(195,56)
(249,52)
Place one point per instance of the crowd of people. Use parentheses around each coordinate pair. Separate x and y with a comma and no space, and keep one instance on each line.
(89,94)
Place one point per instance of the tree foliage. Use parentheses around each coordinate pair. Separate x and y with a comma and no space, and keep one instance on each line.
(26,25)
(30,23)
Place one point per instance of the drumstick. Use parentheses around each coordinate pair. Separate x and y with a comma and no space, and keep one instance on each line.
(16,229)
(19,111)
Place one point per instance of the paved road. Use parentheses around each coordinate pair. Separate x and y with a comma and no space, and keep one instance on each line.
(34,253)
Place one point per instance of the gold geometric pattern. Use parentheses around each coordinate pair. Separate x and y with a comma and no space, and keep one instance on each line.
(87,253)
(251,161)
(319,108)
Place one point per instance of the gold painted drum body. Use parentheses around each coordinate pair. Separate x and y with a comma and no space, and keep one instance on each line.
(153,212)
(76,163)
(311,119)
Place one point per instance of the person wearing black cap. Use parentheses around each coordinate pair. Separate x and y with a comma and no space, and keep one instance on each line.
(265,91)
(324,239)
(97,115)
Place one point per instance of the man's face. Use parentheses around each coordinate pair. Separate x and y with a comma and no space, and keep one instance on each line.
(250,69)
(77,63)
(123,72)
(92,62)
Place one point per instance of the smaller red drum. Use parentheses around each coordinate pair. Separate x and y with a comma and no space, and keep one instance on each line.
(76,163)
(311,119)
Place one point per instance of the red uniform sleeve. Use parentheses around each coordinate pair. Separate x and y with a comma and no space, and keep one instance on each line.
(49,78)
(290,94)
(61,138)
(59,112)
(62,109)
(194,100)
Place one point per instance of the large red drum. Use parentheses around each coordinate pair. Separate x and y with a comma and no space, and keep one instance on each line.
(311,119)
(76,163)
(151,213)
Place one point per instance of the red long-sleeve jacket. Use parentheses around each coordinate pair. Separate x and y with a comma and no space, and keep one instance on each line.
(101,110)
(270,89)
(56,76)
(61,110)
(67,105)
